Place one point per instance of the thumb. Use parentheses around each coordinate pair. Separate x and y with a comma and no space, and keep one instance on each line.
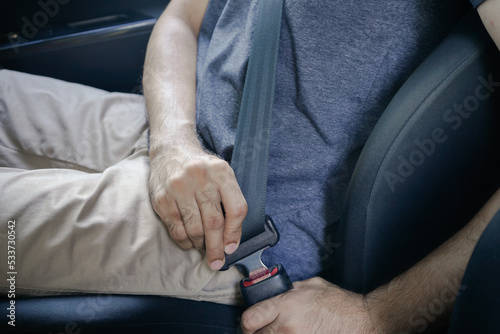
(260,315)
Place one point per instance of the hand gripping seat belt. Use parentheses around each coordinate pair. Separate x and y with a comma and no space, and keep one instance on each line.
(250,159)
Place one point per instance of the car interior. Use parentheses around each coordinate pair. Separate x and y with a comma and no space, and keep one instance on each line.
(424,172)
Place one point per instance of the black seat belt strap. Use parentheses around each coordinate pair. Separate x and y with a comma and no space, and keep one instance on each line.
(251,149)
(250,159)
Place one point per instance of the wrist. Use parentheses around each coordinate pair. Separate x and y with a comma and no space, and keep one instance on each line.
(375,303)
(178,140)
(174,148)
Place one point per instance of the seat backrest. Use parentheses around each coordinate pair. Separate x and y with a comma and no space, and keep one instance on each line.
(430,163)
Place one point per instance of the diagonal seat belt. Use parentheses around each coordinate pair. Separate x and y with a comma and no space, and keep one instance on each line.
(251,148)
(250,159)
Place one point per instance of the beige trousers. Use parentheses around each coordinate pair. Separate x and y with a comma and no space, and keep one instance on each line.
(74,174)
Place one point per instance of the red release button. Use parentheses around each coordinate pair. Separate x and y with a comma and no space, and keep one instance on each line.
(259,278)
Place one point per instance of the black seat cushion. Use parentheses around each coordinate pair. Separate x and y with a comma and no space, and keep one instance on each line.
(119,314)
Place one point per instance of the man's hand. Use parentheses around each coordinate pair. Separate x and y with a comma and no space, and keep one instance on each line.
(187,188)
(314,306)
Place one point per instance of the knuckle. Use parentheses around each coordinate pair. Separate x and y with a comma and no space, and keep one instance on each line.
(195,232)
(176,231)
(176,183)
(317,281)
(170,214)
(208,196)
(217,162)
(224,172)
(174,216)
(187,217)
(240,210)
(185,244)
(171,226)
(222,165)
(196,167)
(192,225)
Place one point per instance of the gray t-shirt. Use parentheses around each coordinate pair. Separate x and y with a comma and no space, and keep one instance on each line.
(340,62)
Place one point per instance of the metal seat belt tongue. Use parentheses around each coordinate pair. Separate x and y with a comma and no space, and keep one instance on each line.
(261,282)
(250,160)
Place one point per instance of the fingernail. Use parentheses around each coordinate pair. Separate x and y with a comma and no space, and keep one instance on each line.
(230,249)
(216,265)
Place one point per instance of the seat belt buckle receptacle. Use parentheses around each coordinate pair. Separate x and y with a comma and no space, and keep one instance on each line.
(260,282)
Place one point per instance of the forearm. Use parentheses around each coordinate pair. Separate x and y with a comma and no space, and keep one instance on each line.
(489,11)
(170,78)
(422,298)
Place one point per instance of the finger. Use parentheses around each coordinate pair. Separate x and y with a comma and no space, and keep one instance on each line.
(208,200)
(235,207)
(273,327)
(191,220)
(171,216)
(260,315)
